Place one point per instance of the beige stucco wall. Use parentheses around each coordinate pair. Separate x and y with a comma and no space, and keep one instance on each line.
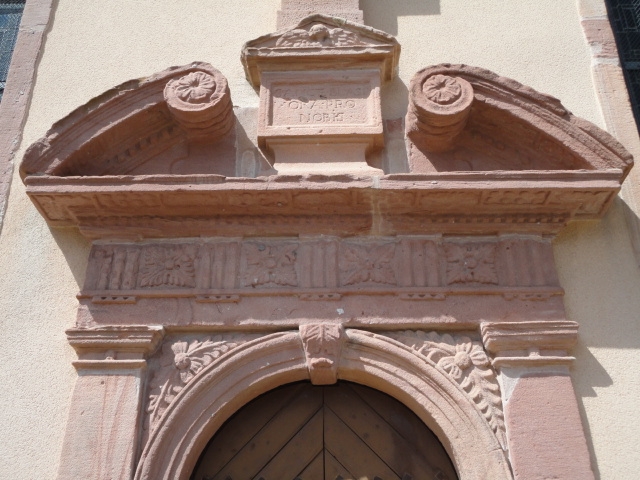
(94,45)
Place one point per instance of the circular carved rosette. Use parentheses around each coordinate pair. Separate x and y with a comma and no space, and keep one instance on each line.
(440,105)
(200,101)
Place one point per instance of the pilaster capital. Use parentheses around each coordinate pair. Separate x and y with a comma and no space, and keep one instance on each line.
(114,347)
(530,344)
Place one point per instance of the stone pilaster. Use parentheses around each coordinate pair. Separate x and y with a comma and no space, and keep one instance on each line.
(101,438)
(544,430)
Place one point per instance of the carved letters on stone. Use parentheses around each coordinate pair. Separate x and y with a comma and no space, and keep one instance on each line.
(322,344)
(465,362)
(468,263)
(270,265)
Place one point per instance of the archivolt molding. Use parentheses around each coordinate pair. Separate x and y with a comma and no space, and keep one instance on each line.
(424,379)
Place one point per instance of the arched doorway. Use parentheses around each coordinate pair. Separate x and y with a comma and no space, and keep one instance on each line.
(304,432)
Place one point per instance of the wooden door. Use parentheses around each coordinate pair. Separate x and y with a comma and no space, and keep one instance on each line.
(339,432)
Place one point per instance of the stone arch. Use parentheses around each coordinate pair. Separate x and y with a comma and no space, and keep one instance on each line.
(372,360)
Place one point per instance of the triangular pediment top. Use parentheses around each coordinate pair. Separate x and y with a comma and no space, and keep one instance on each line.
(323,31)
(325,39)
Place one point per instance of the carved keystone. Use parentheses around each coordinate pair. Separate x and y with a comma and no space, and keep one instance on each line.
(322,344)
(439,106)
(200,101)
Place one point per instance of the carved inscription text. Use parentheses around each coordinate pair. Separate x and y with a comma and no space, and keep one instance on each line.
(339,104)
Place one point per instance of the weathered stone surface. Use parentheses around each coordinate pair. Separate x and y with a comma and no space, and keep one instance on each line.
(544,408)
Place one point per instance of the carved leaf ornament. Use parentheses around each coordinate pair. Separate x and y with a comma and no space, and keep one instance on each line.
(466,363)
(271,265)
(364,264)
(167,267)
(319,35)
(471,264)
(181,362)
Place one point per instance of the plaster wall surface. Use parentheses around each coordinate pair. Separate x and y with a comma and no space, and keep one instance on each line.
(94,45)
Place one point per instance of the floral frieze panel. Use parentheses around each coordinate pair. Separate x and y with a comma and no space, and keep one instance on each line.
(368,264)
(471,263)
(171,266)
(270,265)
(328,265)
(467,364)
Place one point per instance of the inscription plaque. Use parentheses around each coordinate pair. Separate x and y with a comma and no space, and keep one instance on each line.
(346,104)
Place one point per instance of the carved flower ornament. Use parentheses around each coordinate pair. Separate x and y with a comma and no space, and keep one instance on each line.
(196,87)
(442,89)
(181,362)
(466,362)
(466,355)
(167,267)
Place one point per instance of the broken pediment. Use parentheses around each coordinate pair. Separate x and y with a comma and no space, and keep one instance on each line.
(177,121)
(320,41)
(156,158)
(464,118)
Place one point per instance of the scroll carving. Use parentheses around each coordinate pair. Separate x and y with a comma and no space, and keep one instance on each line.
(465,362)
(439,107)
(200,101)
(322,344)
(180,363)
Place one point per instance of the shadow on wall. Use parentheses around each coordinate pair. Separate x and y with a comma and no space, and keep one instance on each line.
(601,278)
(384,15)
(75,249)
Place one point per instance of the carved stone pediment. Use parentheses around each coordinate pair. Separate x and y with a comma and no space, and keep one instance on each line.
(321,41)
(174,122)
(156,158)
(464,118)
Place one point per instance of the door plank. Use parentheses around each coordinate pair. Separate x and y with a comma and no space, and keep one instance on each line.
(275,435)
(239,429)
(315,470)
(409,426)
(374,430)
(333,469)
(297,453)
(351,452)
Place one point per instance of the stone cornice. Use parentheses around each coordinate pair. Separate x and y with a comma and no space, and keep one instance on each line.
(452,203)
